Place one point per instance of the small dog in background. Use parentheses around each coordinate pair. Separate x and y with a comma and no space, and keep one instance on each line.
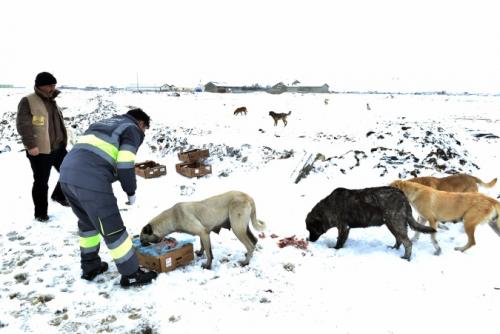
(277,116)
(240,110)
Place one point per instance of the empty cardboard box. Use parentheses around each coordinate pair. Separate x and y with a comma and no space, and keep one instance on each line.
(193,155)
(150,169)
(193,169)
(161,258)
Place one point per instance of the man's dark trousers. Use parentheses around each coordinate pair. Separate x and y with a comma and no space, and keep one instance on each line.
(41,165)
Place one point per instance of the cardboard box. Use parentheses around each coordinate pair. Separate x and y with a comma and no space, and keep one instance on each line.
(193,155)
(193,169)
(159,258)
(150,169)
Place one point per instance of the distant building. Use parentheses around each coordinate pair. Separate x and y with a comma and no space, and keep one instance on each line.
(167,88)
(67,87)
(141,89)
(214,87)
(295,88)
(6,86)
(91,88)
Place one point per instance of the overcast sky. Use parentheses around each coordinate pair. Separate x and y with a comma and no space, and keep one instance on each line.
(350,44)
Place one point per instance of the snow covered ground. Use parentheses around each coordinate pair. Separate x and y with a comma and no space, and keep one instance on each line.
(363,288)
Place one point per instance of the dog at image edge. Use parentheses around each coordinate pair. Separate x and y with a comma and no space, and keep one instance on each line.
(436,205)
(277,116)
(231,210)
(454,183)
(240,110)
(352,208)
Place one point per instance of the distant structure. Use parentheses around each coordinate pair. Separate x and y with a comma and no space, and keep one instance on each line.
(68,87)
(280,88)
(90,88)
(141,89)
(6,86)
(167,88)
(214,87)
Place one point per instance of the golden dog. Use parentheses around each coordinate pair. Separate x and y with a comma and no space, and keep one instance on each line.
(232,209)
(454,183)
(436,205)
(277,116)
(240,110)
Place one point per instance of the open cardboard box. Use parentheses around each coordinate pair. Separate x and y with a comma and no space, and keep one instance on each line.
(149,169)
(193,169)
(160,257)
(193,155)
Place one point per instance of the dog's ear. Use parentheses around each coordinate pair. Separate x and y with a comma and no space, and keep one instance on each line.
(147,230)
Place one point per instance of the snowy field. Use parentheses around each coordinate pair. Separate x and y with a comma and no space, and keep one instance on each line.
(364,141)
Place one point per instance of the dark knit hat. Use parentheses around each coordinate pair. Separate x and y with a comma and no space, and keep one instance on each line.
(45,78)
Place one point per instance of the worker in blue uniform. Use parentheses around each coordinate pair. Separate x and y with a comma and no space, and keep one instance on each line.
(103,154)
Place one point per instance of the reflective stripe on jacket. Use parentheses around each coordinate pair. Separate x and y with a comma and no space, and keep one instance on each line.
(113,143)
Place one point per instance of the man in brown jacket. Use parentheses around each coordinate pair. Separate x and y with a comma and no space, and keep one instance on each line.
(41,126)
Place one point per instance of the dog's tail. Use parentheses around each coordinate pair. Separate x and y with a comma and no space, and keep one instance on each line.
(289,113)
(486,185)
(259,225)
(419,227)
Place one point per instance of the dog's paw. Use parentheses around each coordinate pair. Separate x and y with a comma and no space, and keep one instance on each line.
(462,249)
(244,263)
(207,266)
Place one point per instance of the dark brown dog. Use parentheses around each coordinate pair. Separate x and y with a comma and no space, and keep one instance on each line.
(240,110)
(455,183)
(277,116)
(346,208)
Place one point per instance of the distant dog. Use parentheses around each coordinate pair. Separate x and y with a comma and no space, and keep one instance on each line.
(345,209)
(277,116)
(240,110)
(436,205)
(454,183)
(231,210)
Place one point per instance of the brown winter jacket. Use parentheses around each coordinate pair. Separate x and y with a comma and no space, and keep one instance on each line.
(40,122)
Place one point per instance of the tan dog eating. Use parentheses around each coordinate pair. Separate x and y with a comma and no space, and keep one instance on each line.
(435,205)
(455,183)
(231,210)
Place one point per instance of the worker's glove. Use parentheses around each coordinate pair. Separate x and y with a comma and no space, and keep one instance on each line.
(131,199)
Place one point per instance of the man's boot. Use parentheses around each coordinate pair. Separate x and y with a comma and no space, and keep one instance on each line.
(140,277)
(92,274)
